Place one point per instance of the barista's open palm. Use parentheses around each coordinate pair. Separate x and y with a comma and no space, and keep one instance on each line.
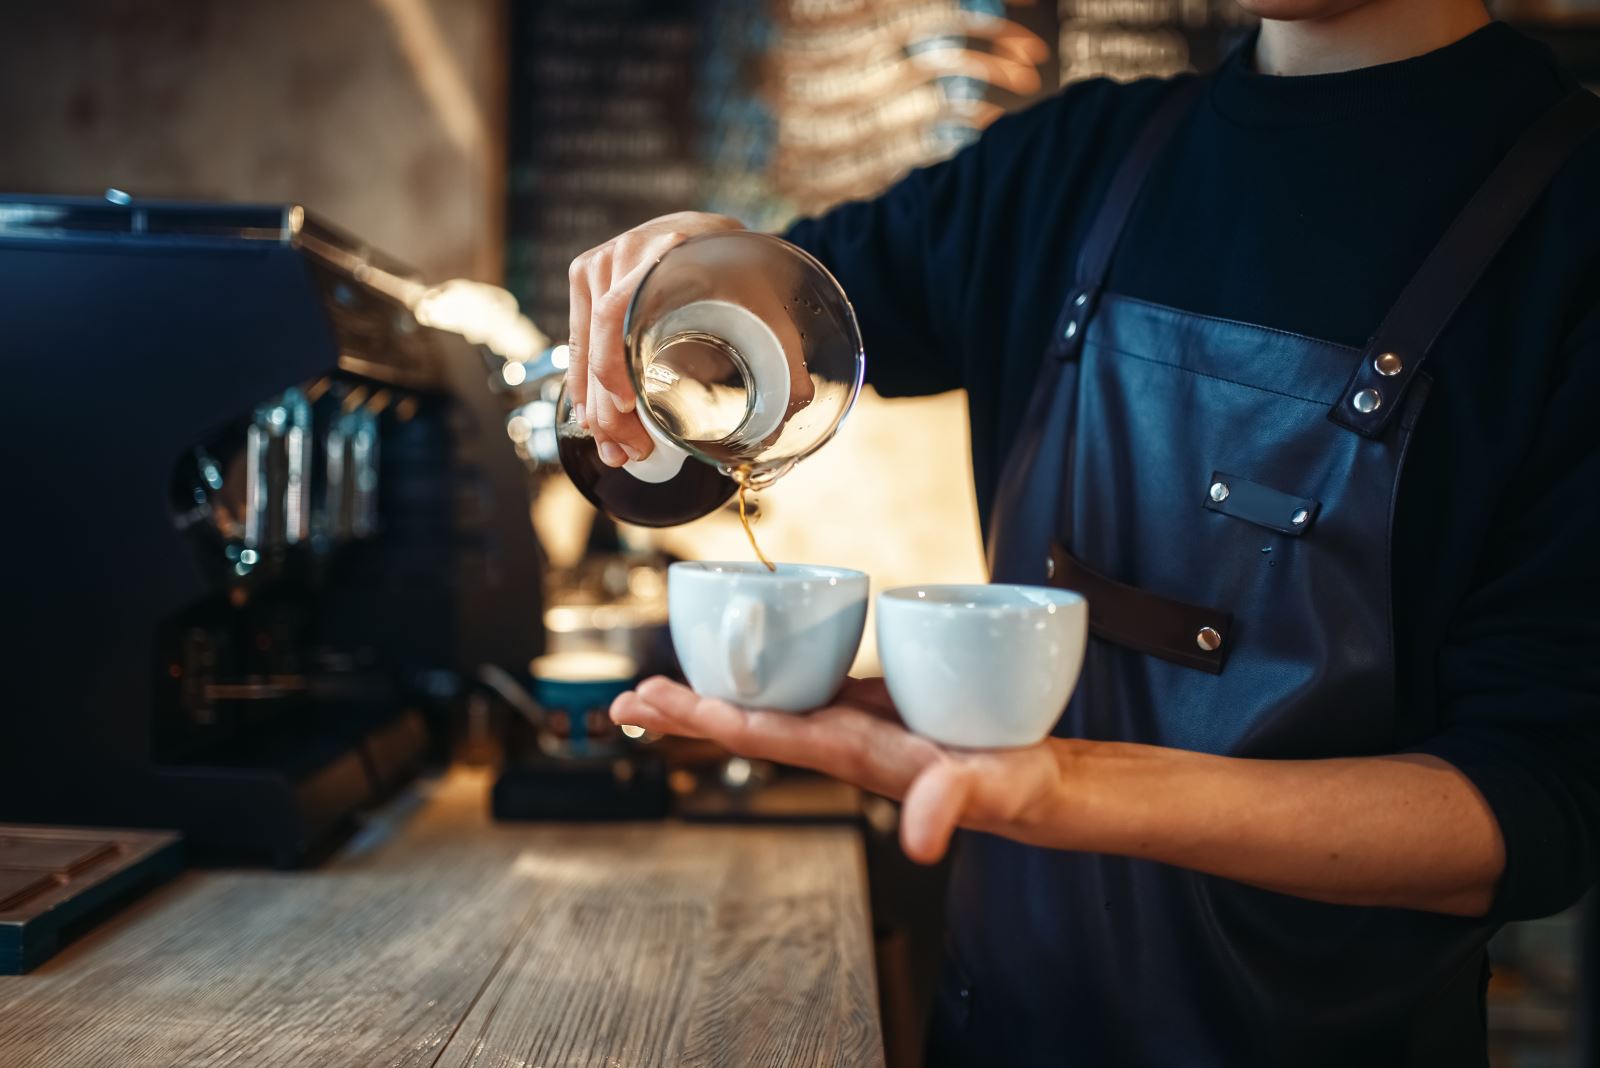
(861,740)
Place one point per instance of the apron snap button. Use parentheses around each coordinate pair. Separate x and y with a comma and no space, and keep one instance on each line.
(1080,300)
(1071,331)
(1300,517)
(1366,402)
(1388,365)
(1219,491)
(1208,639)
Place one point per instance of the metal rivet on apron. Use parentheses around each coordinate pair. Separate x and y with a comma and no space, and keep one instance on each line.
(1366,402)
(1071,331)
(1300,517)
(1080,300)
(1388,365)
(1049,567)
(1219,491)
(1208,639)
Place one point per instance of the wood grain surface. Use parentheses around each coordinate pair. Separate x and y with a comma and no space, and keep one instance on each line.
(439,938)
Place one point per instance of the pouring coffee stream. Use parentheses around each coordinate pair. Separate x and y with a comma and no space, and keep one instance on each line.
(742,477)
(745,356)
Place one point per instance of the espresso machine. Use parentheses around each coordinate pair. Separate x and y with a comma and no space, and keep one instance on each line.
(263,528)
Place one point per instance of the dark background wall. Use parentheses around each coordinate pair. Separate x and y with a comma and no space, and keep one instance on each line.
(383,115)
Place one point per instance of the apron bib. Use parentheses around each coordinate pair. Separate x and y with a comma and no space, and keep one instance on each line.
(1222,493)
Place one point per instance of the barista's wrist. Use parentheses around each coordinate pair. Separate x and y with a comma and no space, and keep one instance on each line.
(1052,815)
(1108,798)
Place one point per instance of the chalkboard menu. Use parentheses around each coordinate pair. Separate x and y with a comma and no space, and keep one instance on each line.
(622,110)
(602,136)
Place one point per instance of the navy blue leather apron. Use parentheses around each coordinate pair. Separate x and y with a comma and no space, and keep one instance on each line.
(1222,493)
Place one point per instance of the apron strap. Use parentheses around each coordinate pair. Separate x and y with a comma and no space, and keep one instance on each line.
(1094,258)
(1432,297)
(1017,547)
(1189,635)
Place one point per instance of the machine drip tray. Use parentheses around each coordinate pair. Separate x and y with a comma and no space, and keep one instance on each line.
(54,879)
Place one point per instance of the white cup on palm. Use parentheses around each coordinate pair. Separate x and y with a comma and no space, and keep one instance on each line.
(782,640)
(981,667)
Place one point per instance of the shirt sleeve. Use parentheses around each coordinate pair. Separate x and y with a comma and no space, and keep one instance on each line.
(884,252)
(907,257)
(1519,675)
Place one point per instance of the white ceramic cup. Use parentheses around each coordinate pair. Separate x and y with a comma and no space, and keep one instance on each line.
(781,640)
(981,667)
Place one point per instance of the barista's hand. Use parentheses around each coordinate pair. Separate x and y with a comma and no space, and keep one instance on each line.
(1395,831)
(859,738)
(601,282)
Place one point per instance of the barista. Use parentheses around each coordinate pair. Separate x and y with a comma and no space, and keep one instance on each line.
(1293,370)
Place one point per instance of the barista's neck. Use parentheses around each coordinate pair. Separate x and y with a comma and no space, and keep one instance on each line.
(1379,31)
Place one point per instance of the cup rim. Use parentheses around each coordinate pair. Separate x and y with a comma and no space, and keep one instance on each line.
(975,594)
(787,572)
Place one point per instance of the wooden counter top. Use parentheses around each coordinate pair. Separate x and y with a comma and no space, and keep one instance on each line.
(438,938)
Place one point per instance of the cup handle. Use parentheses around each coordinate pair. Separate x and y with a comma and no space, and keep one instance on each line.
(744,625)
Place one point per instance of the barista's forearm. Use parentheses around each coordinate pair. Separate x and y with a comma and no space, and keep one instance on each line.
(1402,831)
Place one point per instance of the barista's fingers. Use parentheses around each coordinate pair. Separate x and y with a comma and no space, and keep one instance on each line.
(869,695)
(715,720)
(632,256)
(578,305)
(607,361)
(633,710)
(643,248)
(603,420)
(933,809)
(619,437)
(845,742)
(588,280)
(608,365)
(660,705)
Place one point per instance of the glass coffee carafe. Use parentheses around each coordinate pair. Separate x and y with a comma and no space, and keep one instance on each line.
(745,356)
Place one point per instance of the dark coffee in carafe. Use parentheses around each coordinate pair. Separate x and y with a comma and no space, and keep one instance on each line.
(696,490)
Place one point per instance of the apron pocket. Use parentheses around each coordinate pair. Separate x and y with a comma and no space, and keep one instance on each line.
(1261,505)
(1190,635)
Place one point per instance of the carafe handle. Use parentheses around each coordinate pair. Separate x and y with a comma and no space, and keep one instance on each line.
(664,461)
